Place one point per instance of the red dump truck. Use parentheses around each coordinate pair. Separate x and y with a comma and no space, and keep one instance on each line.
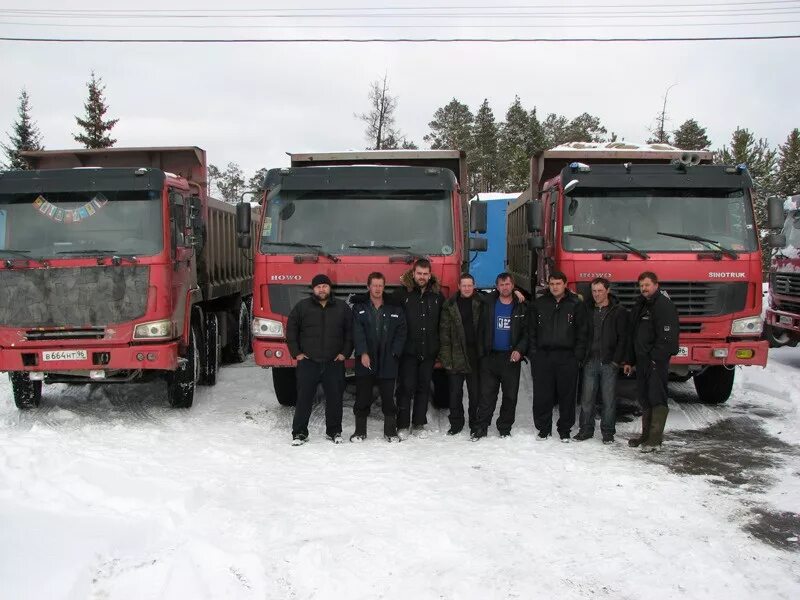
(347,214)
(783,308)
(615,210)
(116,267)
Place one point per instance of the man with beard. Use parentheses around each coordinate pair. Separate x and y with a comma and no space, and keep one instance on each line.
(422,302)
(653,341)
(319,334)
(379,333)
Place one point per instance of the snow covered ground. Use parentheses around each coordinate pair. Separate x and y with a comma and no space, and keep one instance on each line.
(106,493)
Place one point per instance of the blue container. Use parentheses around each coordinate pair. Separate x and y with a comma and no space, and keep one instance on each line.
(485,266)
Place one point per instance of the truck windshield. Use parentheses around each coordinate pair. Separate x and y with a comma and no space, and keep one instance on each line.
(359,222)
(637,215)
(60,224)
(791,229)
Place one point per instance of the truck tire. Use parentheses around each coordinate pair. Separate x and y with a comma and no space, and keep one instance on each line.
(441,389)
(284,380)
(778,338)
(27,393)
(714,385)
(181,383)
(212,350)
(237,349)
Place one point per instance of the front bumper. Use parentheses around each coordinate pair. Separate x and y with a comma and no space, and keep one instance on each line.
(162,357)
(783,320)
(703,353)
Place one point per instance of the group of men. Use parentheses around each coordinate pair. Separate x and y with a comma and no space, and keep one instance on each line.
(482,340)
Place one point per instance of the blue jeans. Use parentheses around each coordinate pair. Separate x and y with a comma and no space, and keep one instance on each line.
(596,373)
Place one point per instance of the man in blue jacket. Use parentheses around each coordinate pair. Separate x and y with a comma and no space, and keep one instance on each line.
(379,333)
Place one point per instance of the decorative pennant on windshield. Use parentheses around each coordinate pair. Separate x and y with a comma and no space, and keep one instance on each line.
(61,215)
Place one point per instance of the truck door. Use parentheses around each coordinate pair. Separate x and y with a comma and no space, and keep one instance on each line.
(181,253)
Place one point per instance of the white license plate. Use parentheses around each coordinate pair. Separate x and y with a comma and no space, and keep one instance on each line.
(785,320)
(55,355)
(683,351)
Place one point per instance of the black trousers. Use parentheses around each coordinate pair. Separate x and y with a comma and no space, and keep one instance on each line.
(497,371)
(331,376)
(413,380)
(364,387)
(651,382)
(555,379)
(455,384)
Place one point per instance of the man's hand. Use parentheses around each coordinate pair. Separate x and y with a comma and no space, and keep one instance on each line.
(516,356)
(365,361)
(628,370)
(300,357)
(520,296)
(339,357)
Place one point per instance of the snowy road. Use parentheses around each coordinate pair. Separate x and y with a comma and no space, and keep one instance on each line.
(106,493)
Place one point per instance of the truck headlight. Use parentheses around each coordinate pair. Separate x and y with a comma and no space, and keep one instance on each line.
(154,330)
(267,328)
(748,326)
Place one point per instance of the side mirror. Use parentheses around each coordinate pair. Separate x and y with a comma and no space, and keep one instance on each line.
(535,216)
(775,214)
(477,217)
(571,186)
(243,218)
(535,243)
(776,240)
(478,244)
(244,241)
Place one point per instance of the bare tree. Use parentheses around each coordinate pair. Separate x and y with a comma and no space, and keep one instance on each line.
(381,132)
(659,133)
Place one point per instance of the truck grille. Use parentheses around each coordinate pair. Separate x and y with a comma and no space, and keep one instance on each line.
(792,307)
(86,333)
(282,298)
(691,298)
(786,283)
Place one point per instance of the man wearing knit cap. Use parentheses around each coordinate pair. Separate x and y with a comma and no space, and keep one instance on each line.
(319,334)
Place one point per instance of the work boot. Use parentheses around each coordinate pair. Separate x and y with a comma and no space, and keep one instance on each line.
(389,426)
(638,441)
(656,434)
(583,435)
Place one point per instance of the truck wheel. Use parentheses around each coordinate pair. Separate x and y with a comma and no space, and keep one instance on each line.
(182,382)
(27,393)
(236,350)
(284,380)
(777,338)
(212,350)
(714,385)
(441,390)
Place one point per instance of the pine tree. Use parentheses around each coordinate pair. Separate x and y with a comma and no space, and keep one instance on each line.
(659,133)
(256,182)
(586,128)
(451,128)
(381,132)
(521,136)
(788,183)
(24,135)
(556,130)
(95,129)
(690,136)
(484,167)
(229,183)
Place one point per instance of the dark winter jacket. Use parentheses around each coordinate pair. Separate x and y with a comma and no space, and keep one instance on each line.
(320,332)
(422,312)
(654,329)
(383,356)
(519,325)
(558,325)
(453,352)
(614,333)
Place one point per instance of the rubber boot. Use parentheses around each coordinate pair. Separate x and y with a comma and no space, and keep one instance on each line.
(656,434)
(638,441)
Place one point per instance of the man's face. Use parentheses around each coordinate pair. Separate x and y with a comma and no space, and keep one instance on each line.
(376,288)
(505,287)
(647,287)
(557,287)
(467,287)
(322,291)
(422,276)
(599,294)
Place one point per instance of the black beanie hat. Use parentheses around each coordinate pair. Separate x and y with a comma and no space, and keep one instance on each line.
(320,279)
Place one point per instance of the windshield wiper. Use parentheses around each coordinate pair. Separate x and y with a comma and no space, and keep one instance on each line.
(116,257)
(23,254)
(403,249)
(619,243)
(315,247)
(696,238)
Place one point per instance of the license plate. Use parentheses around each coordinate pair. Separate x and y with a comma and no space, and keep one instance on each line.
(57,355)
(785,320)
(683,351)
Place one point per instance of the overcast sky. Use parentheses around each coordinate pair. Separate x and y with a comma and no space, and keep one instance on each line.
(251,103)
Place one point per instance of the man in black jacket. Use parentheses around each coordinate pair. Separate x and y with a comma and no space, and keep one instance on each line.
(319,334)
(607,320)
(653,341)
(503,343)
(422,302)
(459,326)
(557,345)
(379,333)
